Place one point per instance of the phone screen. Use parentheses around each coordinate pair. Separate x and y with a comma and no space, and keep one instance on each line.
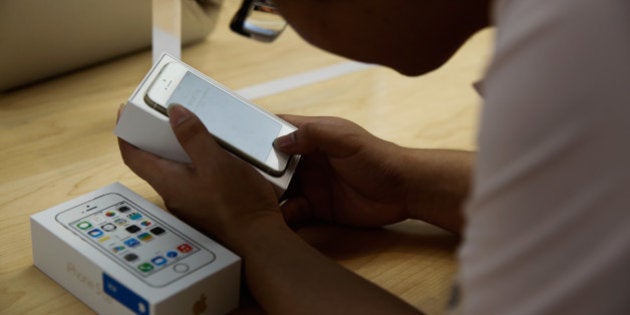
(137,240)
(228,118)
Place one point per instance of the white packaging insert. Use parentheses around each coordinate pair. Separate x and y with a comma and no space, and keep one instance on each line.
(120,254)
(148,129)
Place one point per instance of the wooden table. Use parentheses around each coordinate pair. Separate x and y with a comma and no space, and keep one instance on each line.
(57,143)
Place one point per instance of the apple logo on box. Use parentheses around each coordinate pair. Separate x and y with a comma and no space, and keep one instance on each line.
(200,306)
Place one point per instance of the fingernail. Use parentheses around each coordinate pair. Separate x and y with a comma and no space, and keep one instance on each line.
(285,141)
(177,114)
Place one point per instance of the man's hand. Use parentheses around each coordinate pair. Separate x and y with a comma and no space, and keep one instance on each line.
(217,193)
(346,175)
(349,176)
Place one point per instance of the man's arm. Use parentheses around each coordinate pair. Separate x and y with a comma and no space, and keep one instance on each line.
(410,36)
(288,276)
(438,184)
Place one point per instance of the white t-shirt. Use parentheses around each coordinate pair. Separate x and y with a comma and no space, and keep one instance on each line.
(548,221)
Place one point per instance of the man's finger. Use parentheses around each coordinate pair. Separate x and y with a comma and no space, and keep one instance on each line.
(299,120)
(334,136)
(194,137)
(296,211)
(150,167)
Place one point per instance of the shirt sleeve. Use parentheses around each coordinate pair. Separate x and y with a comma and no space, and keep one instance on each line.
(548,221)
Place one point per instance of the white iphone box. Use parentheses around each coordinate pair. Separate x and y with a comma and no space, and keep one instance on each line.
(121,254)
(244,129)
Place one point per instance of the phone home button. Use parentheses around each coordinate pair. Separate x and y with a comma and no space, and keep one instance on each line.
(181,267)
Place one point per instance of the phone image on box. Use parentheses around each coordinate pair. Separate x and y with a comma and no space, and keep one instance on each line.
(147,247)
(241,127)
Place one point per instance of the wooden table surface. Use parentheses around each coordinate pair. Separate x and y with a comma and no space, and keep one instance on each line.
(57,142)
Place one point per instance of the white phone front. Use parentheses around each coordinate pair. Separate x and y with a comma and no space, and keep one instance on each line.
(150,249)
(241,127)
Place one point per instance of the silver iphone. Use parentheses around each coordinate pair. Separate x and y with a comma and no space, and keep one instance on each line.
(241,127)
(147,247)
